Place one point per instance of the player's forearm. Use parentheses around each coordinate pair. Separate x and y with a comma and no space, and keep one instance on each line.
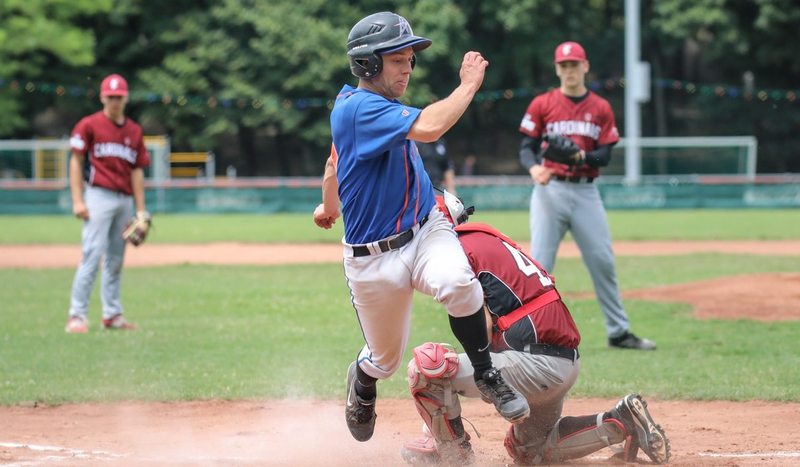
(599,157)
(137,182)
(76,178)
(437,118)
(330,187)
(529,152)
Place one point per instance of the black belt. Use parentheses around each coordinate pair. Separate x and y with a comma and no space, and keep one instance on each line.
(553,351)
(562,178)
(391,244)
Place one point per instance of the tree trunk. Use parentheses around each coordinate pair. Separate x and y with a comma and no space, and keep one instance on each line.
(247,144)
(284,163)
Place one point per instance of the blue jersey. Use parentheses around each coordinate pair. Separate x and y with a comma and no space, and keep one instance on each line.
(383,186)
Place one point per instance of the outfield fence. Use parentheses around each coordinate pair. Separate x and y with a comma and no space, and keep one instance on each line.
(678,172)
(271,195)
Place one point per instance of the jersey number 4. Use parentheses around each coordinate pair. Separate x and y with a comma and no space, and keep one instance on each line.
(528,267)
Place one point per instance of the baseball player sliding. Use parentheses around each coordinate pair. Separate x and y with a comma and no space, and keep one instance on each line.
(568,134)
(534,342)
(395,239)
(106,179)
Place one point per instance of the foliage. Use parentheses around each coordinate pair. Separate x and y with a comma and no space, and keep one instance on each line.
(234,76)
(275,49)
(735,33)
(36,35)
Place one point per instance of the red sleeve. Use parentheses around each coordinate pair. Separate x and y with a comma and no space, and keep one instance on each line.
(608,127)
(531,124)
(81,137)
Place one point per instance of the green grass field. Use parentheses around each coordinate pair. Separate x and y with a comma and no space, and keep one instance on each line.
(211,332)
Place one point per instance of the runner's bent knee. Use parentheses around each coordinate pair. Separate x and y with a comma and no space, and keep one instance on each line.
(462,298)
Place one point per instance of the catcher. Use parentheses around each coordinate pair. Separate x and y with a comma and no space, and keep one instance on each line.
(534,343)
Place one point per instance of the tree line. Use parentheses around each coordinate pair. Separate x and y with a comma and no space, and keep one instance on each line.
(253,80)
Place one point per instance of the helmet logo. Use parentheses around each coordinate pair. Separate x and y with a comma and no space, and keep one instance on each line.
(375,29)
(405,28)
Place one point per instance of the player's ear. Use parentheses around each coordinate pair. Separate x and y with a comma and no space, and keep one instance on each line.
(586,66)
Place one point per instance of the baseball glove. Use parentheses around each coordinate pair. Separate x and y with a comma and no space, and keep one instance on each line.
(135,231)
(562,149)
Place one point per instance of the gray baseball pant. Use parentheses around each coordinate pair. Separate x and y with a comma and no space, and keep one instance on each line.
(101,239)
(560,206)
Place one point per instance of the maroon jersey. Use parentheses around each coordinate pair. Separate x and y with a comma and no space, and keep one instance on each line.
(590,123)
(113,150)
(510,279)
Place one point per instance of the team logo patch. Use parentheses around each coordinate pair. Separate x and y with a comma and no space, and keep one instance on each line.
(587,116)
(77,142)
(527,123)
(405,113)
(565,51)
(114,84)
(127,141)
(405,28)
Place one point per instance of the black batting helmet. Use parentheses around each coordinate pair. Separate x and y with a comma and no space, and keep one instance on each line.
(377,34)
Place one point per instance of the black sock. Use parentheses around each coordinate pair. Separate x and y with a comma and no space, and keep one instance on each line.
(471,333)
(365,385)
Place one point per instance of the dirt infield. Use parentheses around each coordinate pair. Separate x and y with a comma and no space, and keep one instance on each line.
(313,433)
(59,256)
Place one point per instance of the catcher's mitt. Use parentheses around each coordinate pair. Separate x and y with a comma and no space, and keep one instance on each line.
(562,149)
(135,231)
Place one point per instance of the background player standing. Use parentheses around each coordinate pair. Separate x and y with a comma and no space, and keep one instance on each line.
(106,174)
(535,345)
(438,164)
(395,239)
(564,197)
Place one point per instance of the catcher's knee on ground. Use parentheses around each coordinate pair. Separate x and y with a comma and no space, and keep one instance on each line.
(565,443)
(430,374)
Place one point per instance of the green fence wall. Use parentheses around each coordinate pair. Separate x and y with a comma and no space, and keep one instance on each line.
(485,197)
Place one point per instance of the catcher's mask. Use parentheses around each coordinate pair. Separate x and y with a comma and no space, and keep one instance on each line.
(378,34)
(453,208)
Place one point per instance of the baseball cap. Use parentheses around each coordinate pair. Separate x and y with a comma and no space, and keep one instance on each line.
(570,51)
(114,85)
